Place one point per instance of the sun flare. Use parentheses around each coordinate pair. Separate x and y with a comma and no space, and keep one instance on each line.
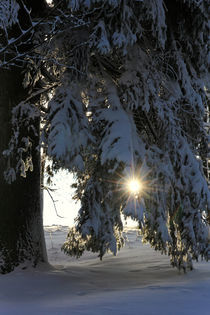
(134,186)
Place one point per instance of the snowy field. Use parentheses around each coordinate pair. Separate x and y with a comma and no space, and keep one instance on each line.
(138,281)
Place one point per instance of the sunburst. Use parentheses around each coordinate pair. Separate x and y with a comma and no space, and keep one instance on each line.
(134,186)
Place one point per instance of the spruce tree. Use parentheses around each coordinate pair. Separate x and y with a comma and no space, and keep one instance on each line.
(140,71)
(128,99)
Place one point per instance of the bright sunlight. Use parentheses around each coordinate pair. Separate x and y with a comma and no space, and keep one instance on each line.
(134,186)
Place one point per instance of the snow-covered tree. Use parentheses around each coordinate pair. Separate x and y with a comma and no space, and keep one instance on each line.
(29,71)
(127,98)
(144,96)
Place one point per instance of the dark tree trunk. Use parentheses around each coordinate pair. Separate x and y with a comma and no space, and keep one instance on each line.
(21,223)
(21,226)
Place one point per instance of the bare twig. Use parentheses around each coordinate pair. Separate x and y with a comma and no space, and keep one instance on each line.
(23,34)
(48,190)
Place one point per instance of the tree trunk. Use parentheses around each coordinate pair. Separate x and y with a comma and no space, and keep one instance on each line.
(21,225)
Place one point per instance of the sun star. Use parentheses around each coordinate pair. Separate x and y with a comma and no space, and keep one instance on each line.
(134,186)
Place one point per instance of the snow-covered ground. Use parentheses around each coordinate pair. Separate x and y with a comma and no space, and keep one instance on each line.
(138,281)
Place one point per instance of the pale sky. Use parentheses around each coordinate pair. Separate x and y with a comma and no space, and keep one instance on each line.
(65,205)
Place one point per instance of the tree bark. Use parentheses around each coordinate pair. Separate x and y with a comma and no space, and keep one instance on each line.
(21,226)
(21,219)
